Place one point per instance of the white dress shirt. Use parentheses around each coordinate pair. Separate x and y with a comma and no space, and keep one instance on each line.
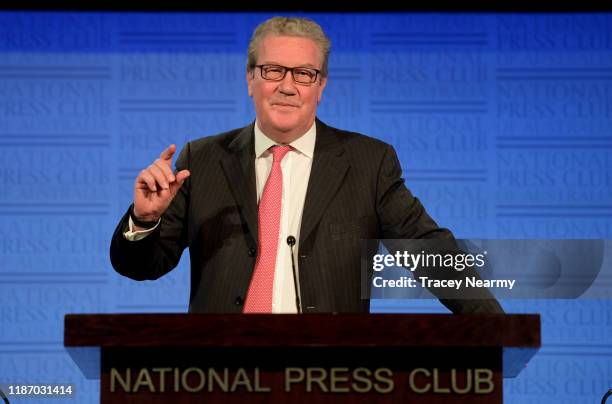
(296,172)
(296,167)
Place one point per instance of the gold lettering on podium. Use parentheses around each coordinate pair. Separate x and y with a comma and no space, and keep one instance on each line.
(424,381)
(293,375)
(115,376)
(385,381)
(339,375)
(162,378)
(185,375)
(241,379)
(468,382)
(192,380)
(359,377)
(318,376)
(483,376)
(214,377)
(340,380)
(143,379)
(258,387)
(412,383)
(436,384)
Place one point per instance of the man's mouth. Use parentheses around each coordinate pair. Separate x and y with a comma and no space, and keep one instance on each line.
(284,104)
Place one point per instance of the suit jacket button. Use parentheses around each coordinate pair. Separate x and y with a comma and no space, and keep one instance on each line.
(238,301)
(252,252)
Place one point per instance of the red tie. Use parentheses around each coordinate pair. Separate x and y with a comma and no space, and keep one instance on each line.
(259,296)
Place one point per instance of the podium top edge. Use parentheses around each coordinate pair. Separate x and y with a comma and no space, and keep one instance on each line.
(291,330)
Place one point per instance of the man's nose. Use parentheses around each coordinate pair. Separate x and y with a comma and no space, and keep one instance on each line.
(287,85)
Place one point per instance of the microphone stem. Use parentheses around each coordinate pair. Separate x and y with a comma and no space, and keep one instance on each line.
(298,304)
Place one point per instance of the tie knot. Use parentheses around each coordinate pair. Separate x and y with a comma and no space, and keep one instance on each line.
(279,152)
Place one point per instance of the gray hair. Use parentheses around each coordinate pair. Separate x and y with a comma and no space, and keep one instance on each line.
(289,26)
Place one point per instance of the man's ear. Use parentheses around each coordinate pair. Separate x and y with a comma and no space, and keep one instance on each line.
(322,85)
(249,79)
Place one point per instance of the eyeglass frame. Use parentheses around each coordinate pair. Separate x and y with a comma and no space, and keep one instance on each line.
(291,69)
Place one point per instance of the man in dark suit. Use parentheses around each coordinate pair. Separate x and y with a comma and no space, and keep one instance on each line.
(235,198)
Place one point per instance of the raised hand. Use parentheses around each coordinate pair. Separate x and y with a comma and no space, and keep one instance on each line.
(156,186)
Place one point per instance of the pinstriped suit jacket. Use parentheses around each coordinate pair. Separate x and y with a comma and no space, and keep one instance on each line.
(355,192)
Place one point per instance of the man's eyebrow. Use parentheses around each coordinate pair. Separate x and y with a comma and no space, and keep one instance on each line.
(309,65)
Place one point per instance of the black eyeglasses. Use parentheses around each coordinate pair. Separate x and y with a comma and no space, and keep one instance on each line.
(301,75)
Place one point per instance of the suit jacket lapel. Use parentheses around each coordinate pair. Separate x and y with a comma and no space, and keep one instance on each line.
(329,166)
(239,167)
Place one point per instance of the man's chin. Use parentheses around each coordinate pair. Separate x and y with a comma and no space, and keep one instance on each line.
(286,124)
(284,131)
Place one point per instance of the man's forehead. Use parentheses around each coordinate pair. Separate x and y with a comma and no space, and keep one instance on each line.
(293,47)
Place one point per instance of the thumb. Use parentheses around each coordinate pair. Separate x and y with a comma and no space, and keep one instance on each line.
(181,176)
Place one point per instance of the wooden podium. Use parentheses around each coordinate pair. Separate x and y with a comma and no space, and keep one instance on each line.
(312,358)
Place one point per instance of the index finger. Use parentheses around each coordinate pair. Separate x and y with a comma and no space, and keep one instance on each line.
(168,153)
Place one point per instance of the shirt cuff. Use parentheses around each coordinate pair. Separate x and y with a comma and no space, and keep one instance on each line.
(132,235)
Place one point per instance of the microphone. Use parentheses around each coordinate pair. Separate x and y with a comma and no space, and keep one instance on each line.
(3,397)
(605,397)
(298,305)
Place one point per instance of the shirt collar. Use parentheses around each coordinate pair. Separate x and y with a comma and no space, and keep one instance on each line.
(304,144)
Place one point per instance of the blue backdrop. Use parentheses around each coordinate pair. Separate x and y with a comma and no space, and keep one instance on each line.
(502,123)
